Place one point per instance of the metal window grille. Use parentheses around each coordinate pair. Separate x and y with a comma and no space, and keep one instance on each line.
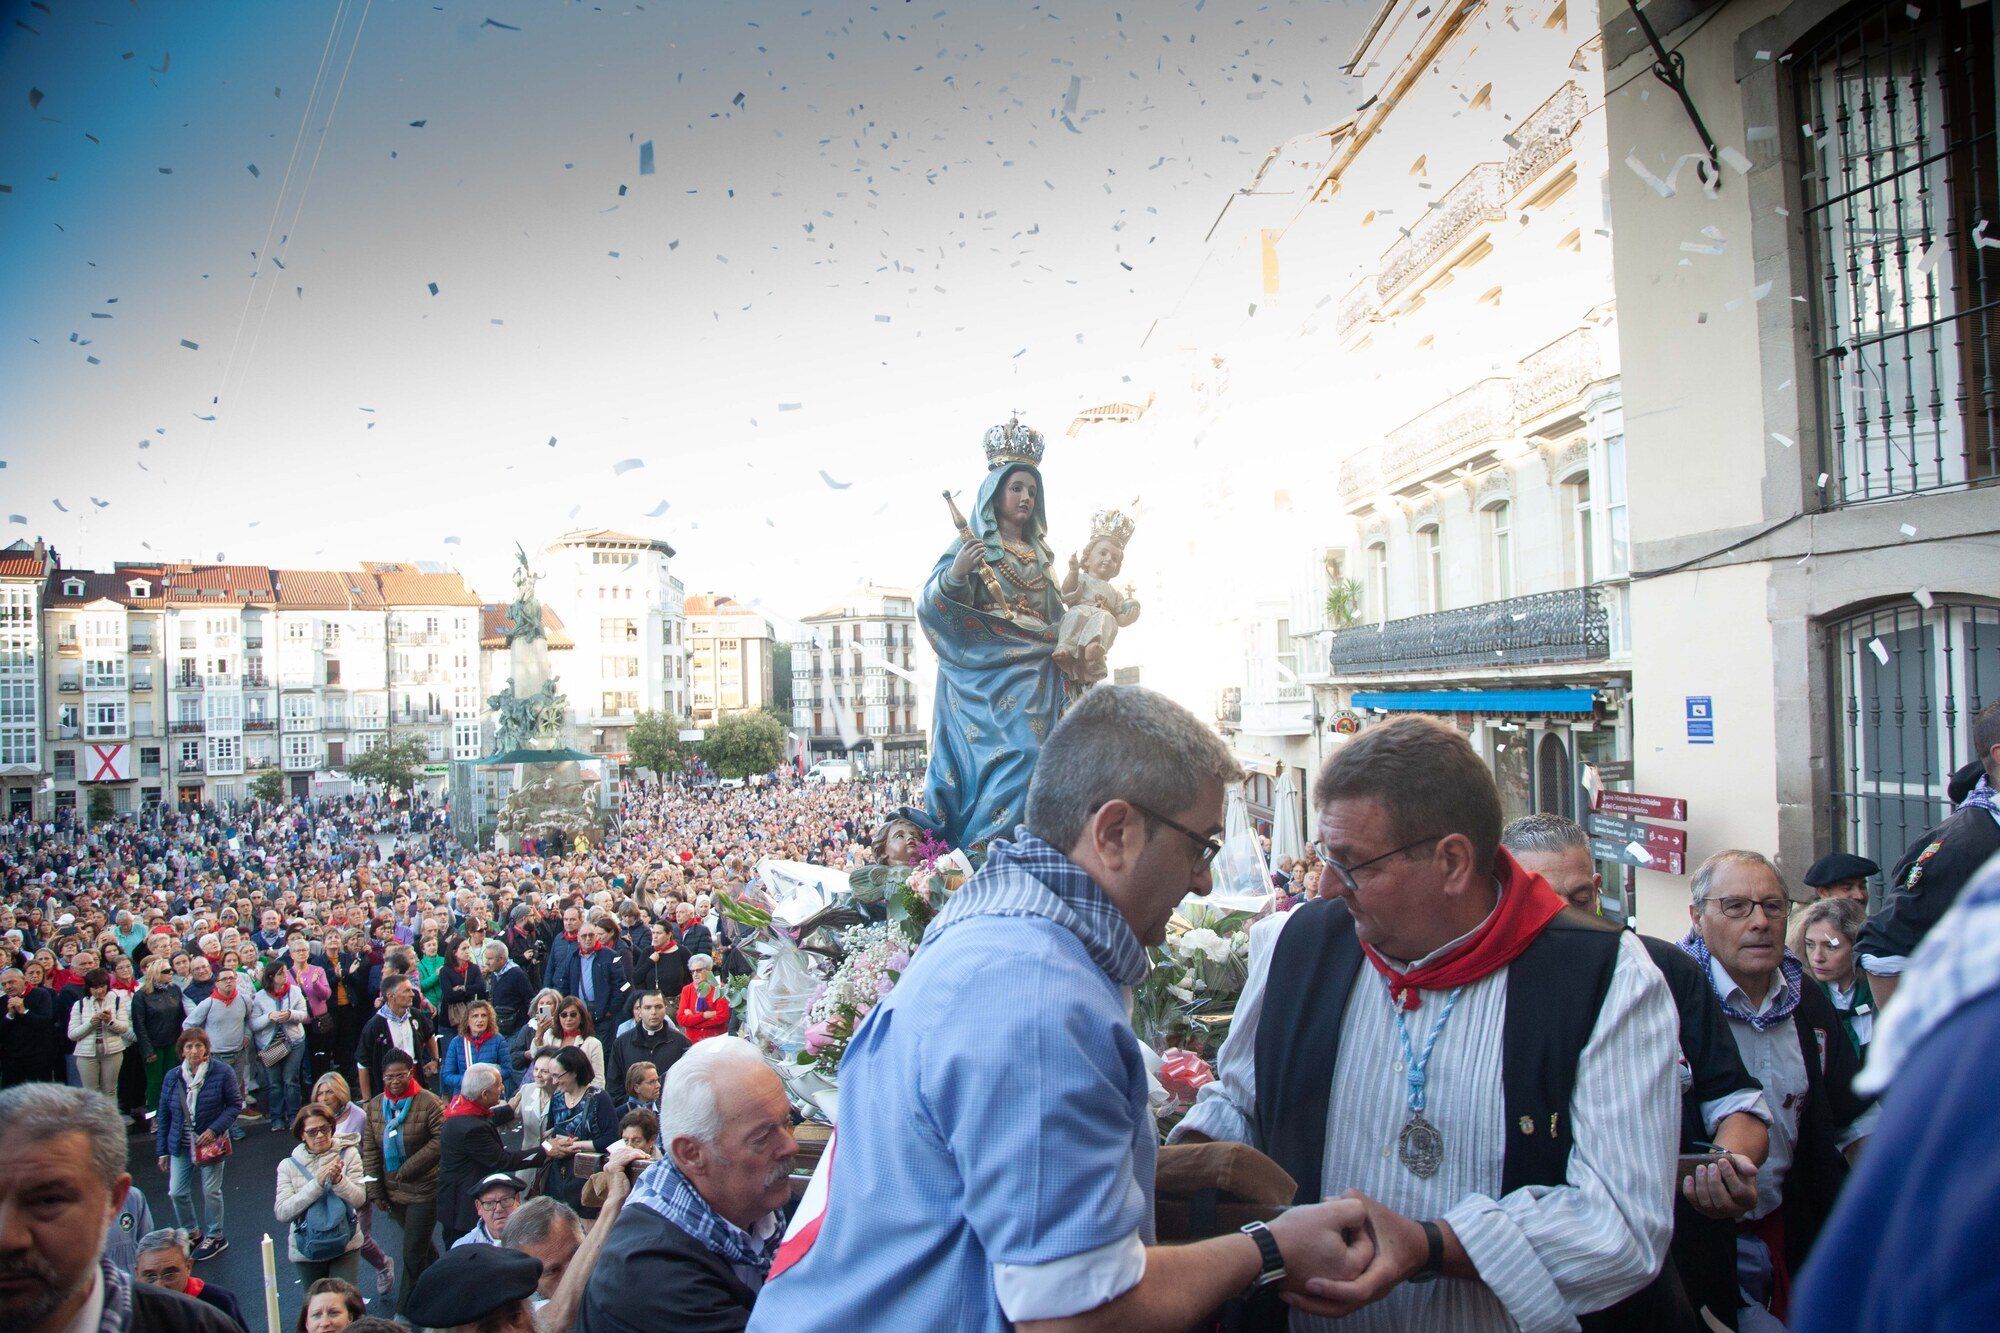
(1910,679)
(1897,148)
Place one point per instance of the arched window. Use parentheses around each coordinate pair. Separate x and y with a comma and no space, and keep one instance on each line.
(1430,569)
(1378,581)
(1908,680)
(1580,531)
(1497,521)
(1555,794)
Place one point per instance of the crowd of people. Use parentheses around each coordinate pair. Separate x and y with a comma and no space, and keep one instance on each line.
(1491,1107)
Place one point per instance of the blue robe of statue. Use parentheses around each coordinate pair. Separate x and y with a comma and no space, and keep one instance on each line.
(999,691)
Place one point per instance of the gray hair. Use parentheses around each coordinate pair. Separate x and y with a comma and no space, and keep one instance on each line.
(1843,914)
(1705,874)
(41,1111)
(1122,742)
(493,947)
(688,1105)
(536,1220)
(1547,833)
(478,1079)
(163,1238)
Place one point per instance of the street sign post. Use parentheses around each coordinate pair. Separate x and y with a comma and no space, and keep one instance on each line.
(1632,853)
(1653,837)
(1635,804)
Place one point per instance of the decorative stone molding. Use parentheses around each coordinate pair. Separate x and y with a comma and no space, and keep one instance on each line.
(1566,462)
(1360,476)
(1358,307)
(1477,199)
(1557,375)
(1543,138)
(1481,415)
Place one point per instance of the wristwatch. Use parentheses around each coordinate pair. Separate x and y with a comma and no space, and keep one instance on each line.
(1274,1259)
(1434,1256)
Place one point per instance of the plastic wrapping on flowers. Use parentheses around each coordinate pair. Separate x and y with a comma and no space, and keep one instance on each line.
(1187,999)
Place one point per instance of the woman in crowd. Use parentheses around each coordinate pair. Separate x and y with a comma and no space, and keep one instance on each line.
(199,1102)
(638,1130)
(538,1027)
(642,1088)
(278,1017)
(320,1195)
(350,1001)
(330,1306)
(430,970)
(478,1042)
(349,1122)
(309,979)
(100,1025)
(574,1028)
(156,1021)
(531,1102)
(704,1009)
(1825,937)
(459,982)
(580,1119)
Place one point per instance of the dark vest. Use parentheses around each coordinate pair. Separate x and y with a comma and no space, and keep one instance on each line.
(1554,991)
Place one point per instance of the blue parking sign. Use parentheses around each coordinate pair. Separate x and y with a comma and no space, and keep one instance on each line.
(1700,719)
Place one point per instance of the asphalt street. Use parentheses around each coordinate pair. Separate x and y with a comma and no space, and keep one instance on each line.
(249,1184)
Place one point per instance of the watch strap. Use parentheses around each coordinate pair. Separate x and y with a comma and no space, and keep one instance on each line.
(1267,1246)
(1433,1254)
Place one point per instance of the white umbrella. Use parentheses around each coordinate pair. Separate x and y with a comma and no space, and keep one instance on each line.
(1288,839)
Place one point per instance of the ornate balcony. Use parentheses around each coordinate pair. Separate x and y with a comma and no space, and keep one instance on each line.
(182,726)
(1570,625)
(1479,416)
(1357,307)
(140,646)
(1543,138)
(260,724)
(1479,198)
(188,766)
(1559,373)
(1360,476)
(258,762)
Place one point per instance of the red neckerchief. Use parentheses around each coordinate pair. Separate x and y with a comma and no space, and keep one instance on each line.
(673,946)
(460,1106)
(193,1289)
(589,949)
(1527,904)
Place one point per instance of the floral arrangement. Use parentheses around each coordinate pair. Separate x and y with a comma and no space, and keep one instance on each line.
(1197,975)
(872,957)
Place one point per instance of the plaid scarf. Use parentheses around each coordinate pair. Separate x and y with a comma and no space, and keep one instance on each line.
(117,1316)
(1984,797)
(665,1192)
(1789,966)
(1021,877)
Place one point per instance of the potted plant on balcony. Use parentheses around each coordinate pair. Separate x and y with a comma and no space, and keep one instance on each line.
(1343,603)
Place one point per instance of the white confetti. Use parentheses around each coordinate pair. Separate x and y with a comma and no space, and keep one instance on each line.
(1881,653)
(1639,169)
(1907,530)
(1783,439)
(1734,159)
(1639,853)
(619,469)
(1923,598)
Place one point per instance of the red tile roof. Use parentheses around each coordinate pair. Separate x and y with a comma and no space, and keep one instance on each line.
(210,584)
(407,584)
(494,624)
(611,537)
(114,584)
(327,590)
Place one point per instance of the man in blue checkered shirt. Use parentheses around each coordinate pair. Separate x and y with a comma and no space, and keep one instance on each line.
(993,1166)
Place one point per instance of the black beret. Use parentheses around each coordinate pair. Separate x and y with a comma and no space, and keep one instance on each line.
(1837,866)
(471,1282)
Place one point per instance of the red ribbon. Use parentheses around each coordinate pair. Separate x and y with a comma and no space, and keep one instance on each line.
(460,1106)
(1527,904)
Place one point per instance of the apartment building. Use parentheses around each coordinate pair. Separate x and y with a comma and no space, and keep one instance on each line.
(433,632)
(845,698)
(23,567)
(107,688)
(729,658)
(332,677)
(625,611)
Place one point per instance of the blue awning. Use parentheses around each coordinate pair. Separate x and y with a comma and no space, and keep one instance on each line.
(1480,701)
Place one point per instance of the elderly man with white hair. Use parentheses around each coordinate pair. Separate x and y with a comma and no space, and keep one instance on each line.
(691,1249)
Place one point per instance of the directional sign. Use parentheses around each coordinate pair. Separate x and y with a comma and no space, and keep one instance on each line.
(1634,804)
(1632,854)
(1652,837)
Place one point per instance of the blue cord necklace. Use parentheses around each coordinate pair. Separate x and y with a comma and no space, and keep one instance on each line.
(1420,1145)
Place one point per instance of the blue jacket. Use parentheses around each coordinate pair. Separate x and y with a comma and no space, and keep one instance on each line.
(215,1108)
(512,993)
(607,980)
(461,1056)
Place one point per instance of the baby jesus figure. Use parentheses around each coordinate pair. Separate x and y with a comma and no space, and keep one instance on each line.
(1096,609)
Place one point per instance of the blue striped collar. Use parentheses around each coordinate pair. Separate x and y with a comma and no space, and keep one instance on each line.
(1028,877)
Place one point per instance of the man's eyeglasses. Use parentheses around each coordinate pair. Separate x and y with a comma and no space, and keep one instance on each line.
(1736,909)
(1346,872)
(1208,847)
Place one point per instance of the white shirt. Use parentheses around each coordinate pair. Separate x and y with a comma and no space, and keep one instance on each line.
(1774,1059)
(401,1033)
(1542,1254)
(92,1313)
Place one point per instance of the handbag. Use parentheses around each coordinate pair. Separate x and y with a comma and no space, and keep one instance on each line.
(218,1148)
(276,1053)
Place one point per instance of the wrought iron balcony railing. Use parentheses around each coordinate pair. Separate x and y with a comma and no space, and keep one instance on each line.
(1570,625)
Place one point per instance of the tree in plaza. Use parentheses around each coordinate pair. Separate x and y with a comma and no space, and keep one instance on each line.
(396,764)
(268,786)
(781,680)
(99,807)
(655,743)
(744,743)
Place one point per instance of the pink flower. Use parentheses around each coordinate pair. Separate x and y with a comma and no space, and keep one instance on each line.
(899,961)
(818,1038)
(883,987)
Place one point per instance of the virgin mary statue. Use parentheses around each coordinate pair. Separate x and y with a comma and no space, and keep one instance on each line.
(990,608)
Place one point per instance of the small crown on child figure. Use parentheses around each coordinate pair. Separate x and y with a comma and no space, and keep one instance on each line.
(1013,443)
(1111,526)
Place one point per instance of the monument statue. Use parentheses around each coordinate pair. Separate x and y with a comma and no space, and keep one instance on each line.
(551,794)
(991,609)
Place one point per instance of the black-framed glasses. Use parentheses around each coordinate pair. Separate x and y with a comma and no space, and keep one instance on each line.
(1346,872)
(1736,909)
(1208,847)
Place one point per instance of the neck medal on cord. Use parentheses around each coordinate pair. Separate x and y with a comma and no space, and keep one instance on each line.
(1420,1146)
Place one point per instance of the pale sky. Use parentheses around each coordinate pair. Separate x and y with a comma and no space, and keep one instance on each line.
(891,239)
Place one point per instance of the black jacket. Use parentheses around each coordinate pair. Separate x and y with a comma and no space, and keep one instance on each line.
(157,1311)
(374,1044)
(1926,882)
(660,1050)
(691,1289)
(471,1149)
(665,973)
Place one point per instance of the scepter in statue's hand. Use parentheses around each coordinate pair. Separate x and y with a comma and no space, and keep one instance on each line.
(984,566)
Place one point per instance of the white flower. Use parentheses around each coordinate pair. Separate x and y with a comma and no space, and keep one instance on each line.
(1206,942)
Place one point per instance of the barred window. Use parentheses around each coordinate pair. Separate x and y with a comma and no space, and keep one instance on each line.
(1896,122)
(1908,681)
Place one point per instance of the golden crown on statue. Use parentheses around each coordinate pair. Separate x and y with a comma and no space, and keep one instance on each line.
(1013,443)
(1111,526)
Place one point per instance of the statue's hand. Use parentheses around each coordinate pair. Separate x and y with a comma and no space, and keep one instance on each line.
(970,549)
